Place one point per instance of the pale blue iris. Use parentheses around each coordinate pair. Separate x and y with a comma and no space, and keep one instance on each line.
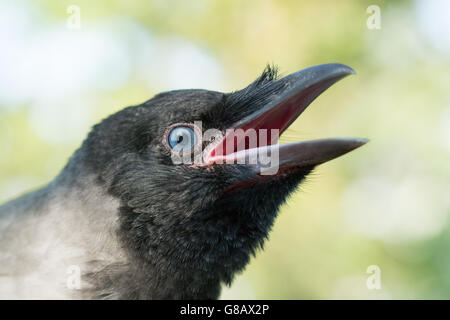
(181,139)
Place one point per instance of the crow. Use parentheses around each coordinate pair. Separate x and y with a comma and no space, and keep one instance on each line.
(137,214)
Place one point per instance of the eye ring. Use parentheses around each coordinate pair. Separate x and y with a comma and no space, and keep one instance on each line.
(184,138)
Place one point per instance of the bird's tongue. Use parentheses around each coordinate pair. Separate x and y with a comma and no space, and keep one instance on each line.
(256,136)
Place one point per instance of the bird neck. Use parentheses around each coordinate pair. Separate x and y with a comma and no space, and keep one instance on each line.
(190,260)
(174,254)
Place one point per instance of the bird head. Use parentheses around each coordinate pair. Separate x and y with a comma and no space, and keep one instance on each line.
(200,175)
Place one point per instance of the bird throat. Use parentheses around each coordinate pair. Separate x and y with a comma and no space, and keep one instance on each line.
(191,258)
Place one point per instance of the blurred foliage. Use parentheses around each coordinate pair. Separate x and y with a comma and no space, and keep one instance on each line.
(386,204)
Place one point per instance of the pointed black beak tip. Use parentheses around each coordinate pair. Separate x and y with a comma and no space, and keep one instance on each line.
(347,69)
(337,70)
(360,142)
(345,145)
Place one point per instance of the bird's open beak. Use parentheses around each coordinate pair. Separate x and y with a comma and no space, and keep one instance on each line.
(299,90)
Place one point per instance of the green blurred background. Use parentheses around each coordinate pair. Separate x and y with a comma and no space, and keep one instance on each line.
(386,204)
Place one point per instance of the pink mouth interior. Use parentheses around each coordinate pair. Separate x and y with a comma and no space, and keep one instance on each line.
(278,117)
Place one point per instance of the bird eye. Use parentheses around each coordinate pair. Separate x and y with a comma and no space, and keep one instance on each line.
(182,139)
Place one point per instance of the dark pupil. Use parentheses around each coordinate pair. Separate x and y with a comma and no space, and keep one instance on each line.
(181,138)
